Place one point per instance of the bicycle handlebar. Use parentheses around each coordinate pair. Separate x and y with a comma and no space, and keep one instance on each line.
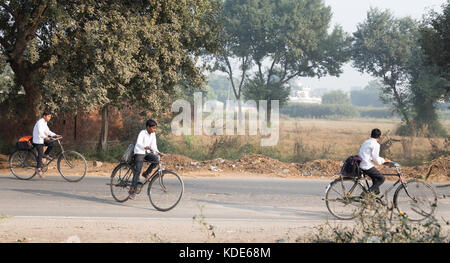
(56,138)
(392,164)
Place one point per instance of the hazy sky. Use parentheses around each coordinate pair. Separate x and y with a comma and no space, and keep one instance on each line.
(348,13)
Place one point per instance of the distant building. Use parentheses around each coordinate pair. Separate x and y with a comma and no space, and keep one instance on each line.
(303,96)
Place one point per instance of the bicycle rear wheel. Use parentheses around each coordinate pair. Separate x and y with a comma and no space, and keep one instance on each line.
(121,179)
(22,164)
(343,197)
(415,199)
(165,191)
(72,166)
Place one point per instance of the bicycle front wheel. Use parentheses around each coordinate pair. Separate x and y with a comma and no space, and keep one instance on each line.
(72,166)
(165,190)
(343,198)
(121,179)
(22,164)
(416,200)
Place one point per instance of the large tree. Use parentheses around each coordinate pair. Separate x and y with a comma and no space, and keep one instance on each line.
(383,46)
(388,48)
(435,41)
(275,41)
(99,54)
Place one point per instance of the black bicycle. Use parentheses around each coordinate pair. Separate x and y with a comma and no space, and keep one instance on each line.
(344,197)
(71,165)
(165,188)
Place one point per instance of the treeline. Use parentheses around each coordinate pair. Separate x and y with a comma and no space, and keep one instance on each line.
(306,110)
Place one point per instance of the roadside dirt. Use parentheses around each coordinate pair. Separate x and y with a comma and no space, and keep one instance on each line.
(25,230)
(437,170)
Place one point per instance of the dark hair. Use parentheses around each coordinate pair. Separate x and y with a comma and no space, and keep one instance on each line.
(151,123)
(46,112)
(376,133)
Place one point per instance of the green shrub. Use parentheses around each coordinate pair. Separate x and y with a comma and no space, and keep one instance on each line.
(371,112)
(305,110)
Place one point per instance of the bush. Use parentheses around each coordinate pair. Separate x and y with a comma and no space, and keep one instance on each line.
(305,110)
(370,112)
(336,97)
(379,225)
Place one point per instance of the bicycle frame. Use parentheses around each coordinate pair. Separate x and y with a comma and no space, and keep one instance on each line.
(159,170)
(59,153)
(385,194)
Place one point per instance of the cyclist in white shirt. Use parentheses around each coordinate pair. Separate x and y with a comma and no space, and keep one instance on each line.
(146,142)
(41,138)
(369,153)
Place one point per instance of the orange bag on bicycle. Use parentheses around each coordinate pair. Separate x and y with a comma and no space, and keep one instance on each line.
(24,143)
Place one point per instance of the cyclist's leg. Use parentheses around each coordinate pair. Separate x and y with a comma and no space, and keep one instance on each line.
(49,145)
(40,150)
(377,179)
(139,161)
(153,159)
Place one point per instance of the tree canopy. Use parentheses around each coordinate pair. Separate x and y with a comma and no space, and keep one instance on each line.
(388,48)
(435,42)
(276,41)
(70,54)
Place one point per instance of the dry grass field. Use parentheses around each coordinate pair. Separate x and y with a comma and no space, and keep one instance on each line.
(302,140)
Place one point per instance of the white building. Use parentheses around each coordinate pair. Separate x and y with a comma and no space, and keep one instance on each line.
(303,96)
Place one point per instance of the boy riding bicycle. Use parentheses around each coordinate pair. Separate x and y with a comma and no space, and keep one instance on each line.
(369,153)
(41,138)
(145,143)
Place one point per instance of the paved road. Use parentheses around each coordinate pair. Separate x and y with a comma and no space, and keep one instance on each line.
(240,198)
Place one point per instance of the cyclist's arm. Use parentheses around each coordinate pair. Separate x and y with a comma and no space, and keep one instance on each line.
(376,155)
(48,132)
(153,145)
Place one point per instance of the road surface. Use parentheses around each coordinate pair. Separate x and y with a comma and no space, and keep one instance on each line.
(231,204)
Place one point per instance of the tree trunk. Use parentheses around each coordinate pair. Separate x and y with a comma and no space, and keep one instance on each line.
(30,83)
(34,97)
(103,143)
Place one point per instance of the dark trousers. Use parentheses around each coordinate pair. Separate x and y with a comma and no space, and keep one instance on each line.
(139,161)
(40,150)
(377,179)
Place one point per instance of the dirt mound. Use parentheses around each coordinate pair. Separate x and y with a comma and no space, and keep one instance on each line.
(265,165)
(320,168)
(176,161)
(435,170)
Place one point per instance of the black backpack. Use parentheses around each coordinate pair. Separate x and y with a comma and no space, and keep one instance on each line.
(351,166)
(24,143)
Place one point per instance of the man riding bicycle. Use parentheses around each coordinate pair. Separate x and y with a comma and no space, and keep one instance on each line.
(145,142)
(41,138)
(369,153)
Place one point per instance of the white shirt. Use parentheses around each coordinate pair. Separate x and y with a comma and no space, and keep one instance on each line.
(145,139)
(369,153)
(41,131)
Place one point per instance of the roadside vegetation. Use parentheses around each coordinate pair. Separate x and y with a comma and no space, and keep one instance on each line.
(379,225)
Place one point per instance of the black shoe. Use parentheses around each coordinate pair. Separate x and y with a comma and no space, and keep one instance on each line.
(139,188)
(132,192)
